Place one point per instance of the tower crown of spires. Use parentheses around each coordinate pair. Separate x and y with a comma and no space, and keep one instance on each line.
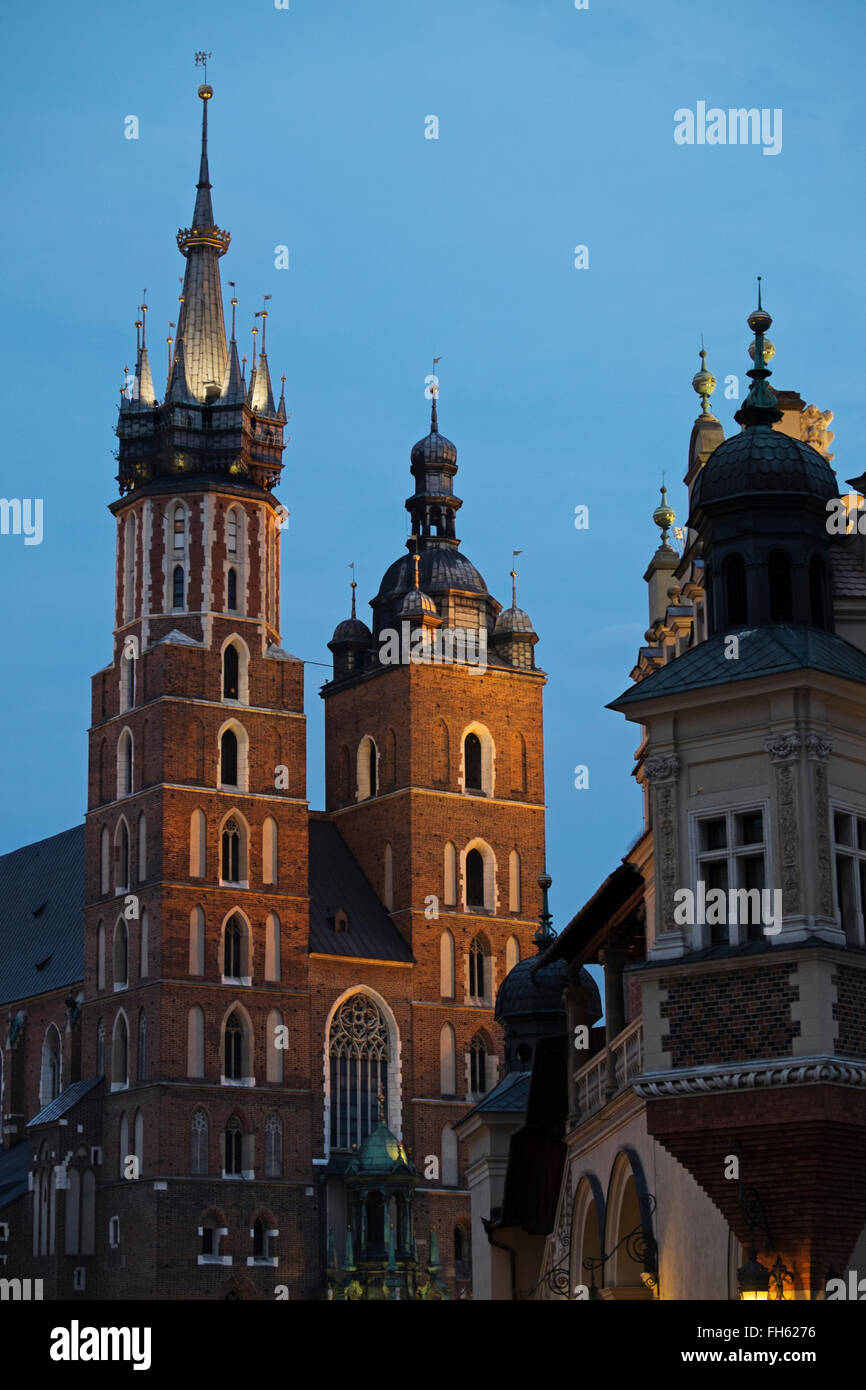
(210,423)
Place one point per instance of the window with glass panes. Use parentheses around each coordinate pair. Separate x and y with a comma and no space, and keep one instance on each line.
(849,856)
(732,853)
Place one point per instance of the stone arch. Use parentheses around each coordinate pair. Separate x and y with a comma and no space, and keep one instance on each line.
(395,1066)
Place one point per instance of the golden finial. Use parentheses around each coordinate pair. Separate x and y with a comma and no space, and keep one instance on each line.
(704,382)
(664,517)
(381,1106)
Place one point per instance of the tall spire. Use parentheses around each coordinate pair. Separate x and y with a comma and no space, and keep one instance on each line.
(233,391)
(201,327)
(760,406)
(261,395)
(143,395)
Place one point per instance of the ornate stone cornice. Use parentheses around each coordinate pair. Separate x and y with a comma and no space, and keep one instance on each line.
(751,1076)
(663,768)
(783,747)
(818,747)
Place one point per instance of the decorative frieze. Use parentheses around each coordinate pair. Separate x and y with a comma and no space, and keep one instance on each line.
(809,1071)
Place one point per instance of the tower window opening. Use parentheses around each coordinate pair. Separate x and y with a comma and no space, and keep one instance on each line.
(735,590)
(179,528)
(230,672)
(474,879)
(229,758)
(477,970)
(231,852)
(232,591)
(178,588)
(781,596)
(472,761)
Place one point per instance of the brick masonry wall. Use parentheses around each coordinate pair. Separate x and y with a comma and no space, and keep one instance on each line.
(729,1015)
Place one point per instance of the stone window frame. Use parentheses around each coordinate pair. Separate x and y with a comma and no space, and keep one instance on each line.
(737,933)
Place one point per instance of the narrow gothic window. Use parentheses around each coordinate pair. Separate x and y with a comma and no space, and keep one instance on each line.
(121,856)
(121,953)
(232,948)
(230,672)
(477,1066)
(734,572)
(273,1147)
(229,758)
(474,879)
(50,1087)
(472,758)
(100,1048)
(231,855)
(358,1049)
(178,586)
(232,532)
(234,1038)
(198,1157)
(120,1052)
(179,528)
(259,1242)
(234,1146)
(232,586)
(781,598)
(477,968)
(372,752)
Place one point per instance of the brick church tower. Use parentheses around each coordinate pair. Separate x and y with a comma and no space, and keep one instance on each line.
(434,778)
(196,841)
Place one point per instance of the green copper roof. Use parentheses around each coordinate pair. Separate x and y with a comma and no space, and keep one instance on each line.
(381,1152)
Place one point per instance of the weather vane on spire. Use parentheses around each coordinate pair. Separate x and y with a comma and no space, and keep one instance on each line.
(201,58)
(514,555)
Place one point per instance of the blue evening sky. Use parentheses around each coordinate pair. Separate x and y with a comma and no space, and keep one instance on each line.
(559,386)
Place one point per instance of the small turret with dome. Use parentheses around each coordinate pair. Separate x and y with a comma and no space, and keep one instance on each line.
(514,637)
(352,639)
(529,1004)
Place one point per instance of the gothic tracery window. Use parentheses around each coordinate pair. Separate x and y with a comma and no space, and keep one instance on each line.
(358,1050)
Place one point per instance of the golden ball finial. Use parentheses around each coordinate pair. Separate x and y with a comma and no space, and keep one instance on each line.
(664,516)
(205,91)
(704,383)
(769,351)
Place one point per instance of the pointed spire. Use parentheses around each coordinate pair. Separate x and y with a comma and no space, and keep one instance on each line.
(434,422)
(143,394)
(261,395)
(201,325)
(545,933)
(514,555)
(233,391)
(281,408)
(760,406)
(354,587)
(178,390)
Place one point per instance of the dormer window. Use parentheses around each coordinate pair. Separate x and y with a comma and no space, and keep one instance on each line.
(340,920)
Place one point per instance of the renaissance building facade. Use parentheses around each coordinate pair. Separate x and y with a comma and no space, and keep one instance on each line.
(238,1033)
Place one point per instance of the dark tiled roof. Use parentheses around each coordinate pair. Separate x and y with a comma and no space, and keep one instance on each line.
(847,572)
(337,881)
(42,916)
(510,1095)
(763,460)
(441,567)
(763,651)
(65,1101)
(14,1164)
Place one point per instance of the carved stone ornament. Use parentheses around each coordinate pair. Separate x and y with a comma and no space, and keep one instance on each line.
(781,747)
(663,768)
(753,1076)
(818,747)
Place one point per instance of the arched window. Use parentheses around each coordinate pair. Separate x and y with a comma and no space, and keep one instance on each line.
(100,956)
(100,1048)
(199,1144)
(196,941)
(129,567)
(236,1048)
(449,1157)
(446,965)
(450,896)
(512,953)
(388,896)
(179,527)
(272,947)
(367,764)
(472,762)
(270,850)
(478,1066)
(232,531)
(260,1240)
(479,972)
(447,1061)
(104,860)
(734,576)
(120,954)
(232,590)
(120,1053)
(195,1042)
(231,673)
(474,879)
(514,881)
(142,848)
(816,591)
(234,1143)
(142,1045)
(123,1142)
(273,1146)
(197,844)
(124,764)
(49,1083)
(781,595)
(236,950)
(275,1053)
(121,856)
(229,758)
(358,1051)
(233,846)
(178,587)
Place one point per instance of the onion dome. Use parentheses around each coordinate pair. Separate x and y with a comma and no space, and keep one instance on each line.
(441,570)
(351,639)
